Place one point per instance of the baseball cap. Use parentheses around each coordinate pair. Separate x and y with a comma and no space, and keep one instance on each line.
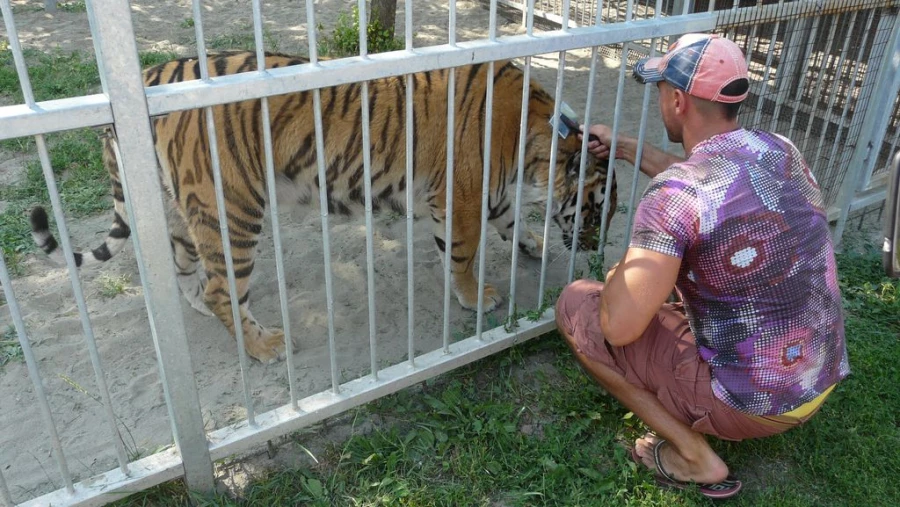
(705,66)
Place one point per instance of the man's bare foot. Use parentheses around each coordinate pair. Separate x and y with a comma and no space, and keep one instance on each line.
(707,467)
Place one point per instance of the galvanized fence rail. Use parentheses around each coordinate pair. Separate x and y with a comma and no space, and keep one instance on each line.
(782,62)
(814,66)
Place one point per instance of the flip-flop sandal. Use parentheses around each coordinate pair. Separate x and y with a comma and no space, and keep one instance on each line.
(719,490)
(725,489)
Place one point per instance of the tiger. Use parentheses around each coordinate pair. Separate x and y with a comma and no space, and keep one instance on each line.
(183,153)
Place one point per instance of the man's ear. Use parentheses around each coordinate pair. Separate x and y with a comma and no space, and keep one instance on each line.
(679,101)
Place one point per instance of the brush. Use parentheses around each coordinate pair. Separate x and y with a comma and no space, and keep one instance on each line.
(568,123)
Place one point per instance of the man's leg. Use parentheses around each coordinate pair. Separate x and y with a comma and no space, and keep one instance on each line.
(689,458)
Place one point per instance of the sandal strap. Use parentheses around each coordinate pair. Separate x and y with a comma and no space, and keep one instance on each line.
(658,461)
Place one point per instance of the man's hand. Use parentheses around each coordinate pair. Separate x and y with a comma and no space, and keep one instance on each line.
(653,160)
(600,149)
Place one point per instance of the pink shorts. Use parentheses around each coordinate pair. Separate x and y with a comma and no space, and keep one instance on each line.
(664,361)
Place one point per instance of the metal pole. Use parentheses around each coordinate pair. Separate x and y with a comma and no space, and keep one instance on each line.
(146,211)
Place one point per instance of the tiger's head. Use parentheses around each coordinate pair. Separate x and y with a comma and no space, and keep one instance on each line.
(565,179)
(565,195)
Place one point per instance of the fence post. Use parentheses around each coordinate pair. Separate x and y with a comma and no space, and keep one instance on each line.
(50,5)
(874,125)
(121,78)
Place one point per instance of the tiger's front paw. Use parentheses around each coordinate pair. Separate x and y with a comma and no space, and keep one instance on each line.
(532,245)
(265,346)
(491,299)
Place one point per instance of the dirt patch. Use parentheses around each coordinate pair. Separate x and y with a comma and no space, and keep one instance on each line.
(121,325)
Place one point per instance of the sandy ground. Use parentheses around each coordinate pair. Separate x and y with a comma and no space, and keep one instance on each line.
(121,325)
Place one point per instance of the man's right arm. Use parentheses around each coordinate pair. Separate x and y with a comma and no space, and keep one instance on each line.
(653,160)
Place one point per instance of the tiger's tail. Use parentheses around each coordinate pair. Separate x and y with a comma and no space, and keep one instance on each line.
(118,234)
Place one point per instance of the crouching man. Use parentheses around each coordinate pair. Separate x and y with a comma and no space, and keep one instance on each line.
(739,230)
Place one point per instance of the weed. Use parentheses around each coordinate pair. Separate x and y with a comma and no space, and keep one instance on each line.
(10,349)
(187,23)
(535,216)
(72,6)
(111,286)
(595,266)
(344,39)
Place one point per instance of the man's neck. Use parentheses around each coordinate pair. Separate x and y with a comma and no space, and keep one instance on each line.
(702,129)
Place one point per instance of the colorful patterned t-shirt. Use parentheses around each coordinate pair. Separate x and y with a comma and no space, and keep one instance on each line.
(758,274)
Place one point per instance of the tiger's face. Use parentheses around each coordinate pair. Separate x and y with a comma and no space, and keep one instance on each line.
(591,211)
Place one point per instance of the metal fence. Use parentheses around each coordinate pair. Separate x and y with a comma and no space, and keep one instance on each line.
(814,68)
(820,72)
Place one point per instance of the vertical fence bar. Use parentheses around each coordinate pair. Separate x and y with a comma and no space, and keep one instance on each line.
(764,82)
(783,71)
(448,209)
(485,192)
(323,197)
(829,46)
(642,133)
(838,71)
(783,79)
(146,211)
(486,174)
(367,183)
(35,374)
(850,87)
(579,199)
(273,207)
(77,290)
(802,83)
(551,178)
(520,168)
(617,114)
(223,220)
(410,195)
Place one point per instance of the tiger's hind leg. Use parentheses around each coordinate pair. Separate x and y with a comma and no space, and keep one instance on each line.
(260,343)
(463,249)
(191,279)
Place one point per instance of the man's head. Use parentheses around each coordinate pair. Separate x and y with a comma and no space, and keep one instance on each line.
(703,73)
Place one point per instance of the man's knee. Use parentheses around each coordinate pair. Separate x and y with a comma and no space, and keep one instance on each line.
(570,301)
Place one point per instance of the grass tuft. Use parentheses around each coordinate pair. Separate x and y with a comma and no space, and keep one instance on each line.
(109,286)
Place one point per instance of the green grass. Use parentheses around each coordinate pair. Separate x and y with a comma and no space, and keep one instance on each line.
(527,427)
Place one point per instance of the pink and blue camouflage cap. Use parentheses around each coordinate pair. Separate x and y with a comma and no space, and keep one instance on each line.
(705,66)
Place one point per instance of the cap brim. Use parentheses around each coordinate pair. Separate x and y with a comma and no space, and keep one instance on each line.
(646,70)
